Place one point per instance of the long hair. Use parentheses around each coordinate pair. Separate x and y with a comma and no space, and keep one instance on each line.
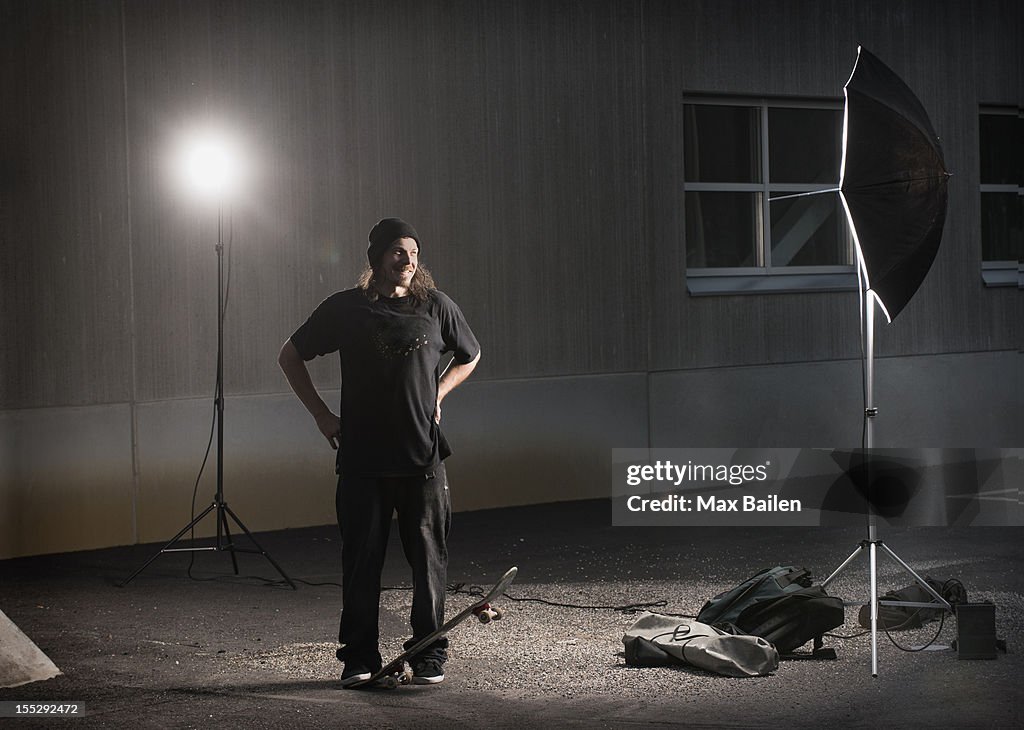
(420,286)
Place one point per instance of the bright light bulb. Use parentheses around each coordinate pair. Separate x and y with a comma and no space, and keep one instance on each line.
(210,165)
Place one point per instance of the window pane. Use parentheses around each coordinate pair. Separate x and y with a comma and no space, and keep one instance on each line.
(721,143)
(1002,149)
(804,145)
(722,229)
(1002,227)
(810,231)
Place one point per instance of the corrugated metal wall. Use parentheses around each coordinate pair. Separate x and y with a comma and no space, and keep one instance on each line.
(536,145)
(64,244)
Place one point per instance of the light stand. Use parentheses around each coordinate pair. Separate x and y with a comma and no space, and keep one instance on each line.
(873,543)
(892,185)
(225,541)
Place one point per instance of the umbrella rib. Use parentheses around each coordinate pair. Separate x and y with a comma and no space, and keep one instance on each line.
(801,195)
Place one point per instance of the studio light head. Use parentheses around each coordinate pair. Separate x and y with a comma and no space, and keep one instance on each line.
(210,164)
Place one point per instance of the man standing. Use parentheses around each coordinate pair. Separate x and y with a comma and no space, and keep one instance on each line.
(391,332)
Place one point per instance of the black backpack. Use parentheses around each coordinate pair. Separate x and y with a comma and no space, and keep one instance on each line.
(769,583)
(790,621)
(778,604)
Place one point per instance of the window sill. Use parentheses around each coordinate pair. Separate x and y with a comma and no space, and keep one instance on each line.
(724,282)
(1002,273)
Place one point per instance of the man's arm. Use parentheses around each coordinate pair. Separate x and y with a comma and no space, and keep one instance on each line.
(294,368)
(453,375)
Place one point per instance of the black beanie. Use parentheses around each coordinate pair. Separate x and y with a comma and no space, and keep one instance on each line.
(386,232)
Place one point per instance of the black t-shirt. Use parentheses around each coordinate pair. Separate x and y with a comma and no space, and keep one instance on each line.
(391,354)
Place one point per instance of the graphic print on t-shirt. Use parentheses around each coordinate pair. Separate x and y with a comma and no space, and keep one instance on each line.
(399,337)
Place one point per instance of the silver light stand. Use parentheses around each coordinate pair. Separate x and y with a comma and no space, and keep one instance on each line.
(873,543)
(224,539)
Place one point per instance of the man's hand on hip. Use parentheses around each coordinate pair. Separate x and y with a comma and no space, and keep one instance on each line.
(330,426)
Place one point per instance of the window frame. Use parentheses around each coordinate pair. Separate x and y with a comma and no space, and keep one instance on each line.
(998,273)
(764,277)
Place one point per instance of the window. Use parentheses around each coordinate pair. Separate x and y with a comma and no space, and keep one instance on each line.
(1001,142)
(745,161)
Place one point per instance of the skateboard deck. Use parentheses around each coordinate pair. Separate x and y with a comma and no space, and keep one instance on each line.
(393,673)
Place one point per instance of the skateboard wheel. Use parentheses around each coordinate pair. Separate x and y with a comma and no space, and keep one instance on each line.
(391,682)
(498,614)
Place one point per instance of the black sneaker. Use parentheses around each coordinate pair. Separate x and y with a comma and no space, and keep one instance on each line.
(427,671)
(354,673)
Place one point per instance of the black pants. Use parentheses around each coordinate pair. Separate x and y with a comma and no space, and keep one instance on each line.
(365,506)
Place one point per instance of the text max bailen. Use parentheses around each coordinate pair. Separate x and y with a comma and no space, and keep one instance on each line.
(679,503)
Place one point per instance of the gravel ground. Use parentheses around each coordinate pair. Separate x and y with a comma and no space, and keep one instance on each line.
(168,652)
(561,652)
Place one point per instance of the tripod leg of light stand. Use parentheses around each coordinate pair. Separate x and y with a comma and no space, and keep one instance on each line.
(167,547)
(874,610)
(223,511)
(872,562)
(223,517)
(921,581)
(837,571)
(259,549)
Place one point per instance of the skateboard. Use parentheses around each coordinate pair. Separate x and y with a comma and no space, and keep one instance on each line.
(393,673)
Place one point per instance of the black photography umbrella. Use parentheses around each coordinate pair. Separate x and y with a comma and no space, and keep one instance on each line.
(893,188)
(892,182)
